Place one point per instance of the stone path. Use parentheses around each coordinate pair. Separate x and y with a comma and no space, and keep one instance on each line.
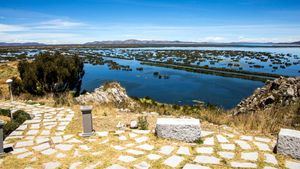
(42,142)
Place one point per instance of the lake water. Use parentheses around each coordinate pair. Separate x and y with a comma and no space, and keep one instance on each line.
(181,88)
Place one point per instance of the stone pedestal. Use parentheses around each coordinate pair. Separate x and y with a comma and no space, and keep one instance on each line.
(288,143)
(87,121)
(187,130)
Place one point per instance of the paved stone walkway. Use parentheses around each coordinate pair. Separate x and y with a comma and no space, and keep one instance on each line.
(43,143)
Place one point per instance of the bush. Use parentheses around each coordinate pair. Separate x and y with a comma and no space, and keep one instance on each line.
(19,117)
(49,73)
(4,112)
(143,123)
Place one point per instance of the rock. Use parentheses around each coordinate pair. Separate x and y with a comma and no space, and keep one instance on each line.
(187,130)
(277,93)
(288,143)
(133,124)
(108,93)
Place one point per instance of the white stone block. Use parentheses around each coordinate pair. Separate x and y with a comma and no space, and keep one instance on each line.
(288,143)
(180,129)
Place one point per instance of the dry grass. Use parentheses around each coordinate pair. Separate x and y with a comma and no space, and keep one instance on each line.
(7,70)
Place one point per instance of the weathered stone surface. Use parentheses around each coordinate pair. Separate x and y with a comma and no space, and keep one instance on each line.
(252,156)
(166,150)
(194,166)
(126,159)
(243,165)
(180,129)
(52,165)
(115,166)
(147,147)
(207,159)
(153,157)
(205,150)
(288,143)
(292,165)
(173,161)
(227,155)
(183,151)
(142,165)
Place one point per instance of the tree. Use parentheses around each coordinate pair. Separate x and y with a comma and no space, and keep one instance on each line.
(50,73)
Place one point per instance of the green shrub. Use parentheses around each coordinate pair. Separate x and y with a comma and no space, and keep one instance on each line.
(4,112)
(49,73)
(20,116)
(143,123)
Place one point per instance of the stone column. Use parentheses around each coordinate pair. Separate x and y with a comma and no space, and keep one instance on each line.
(1,137)
(9,82)
(87,121)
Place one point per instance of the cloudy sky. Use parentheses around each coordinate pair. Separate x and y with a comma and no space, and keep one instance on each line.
(79,21)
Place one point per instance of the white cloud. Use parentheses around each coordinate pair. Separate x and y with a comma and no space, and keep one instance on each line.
(58,24)
(212,39)
(11,28)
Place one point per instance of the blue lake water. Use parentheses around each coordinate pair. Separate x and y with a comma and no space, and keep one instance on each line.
(181,88)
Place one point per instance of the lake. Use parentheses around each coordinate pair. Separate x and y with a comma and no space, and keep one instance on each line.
(182,87)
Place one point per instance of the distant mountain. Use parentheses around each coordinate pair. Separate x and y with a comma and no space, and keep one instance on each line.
(136,42)
(298,43)
(22,44)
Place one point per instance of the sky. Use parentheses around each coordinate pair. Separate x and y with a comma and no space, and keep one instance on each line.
(80,21)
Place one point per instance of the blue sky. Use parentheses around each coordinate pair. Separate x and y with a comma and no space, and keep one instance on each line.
(79,21)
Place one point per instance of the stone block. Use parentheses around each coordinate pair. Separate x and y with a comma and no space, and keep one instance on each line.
(288,143)
(187,130)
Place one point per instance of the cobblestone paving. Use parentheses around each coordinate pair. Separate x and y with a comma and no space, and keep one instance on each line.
(42,142)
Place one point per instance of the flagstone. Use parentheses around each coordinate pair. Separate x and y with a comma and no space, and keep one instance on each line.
(68,136)
(84,147)
(60,155)
(102,134)
(251,156)
(75,165)
(270,158)
(115,166)
(134,152)
(57,139)
(194,166)
(269,167)
(263,139)
(122,138)
(32,132)
(207,159)
(64,147)
(205,150)
(45,132)
(126,159)
(209,141)
(41,140)
(35,126)
(74,140)
(132,135)
(16,133)
(228,146)
(247,138)
(141,139)
(222,139)
(24,155)
(19,150)
(49,151)
(24,143)
(226,154)
(142,165)
(243,165)
(206,133)
(92,166)
(262,146)
(22,127)
(146,147)
(292,164)
(153,157)
(141,131)
(183,151)
(52,165)
(243,144)
(166,150)
(117,147)
(173,161)
(41,147)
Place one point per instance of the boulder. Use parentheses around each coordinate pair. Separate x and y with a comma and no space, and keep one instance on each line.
(133,124)
(187,130)
(288,143)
